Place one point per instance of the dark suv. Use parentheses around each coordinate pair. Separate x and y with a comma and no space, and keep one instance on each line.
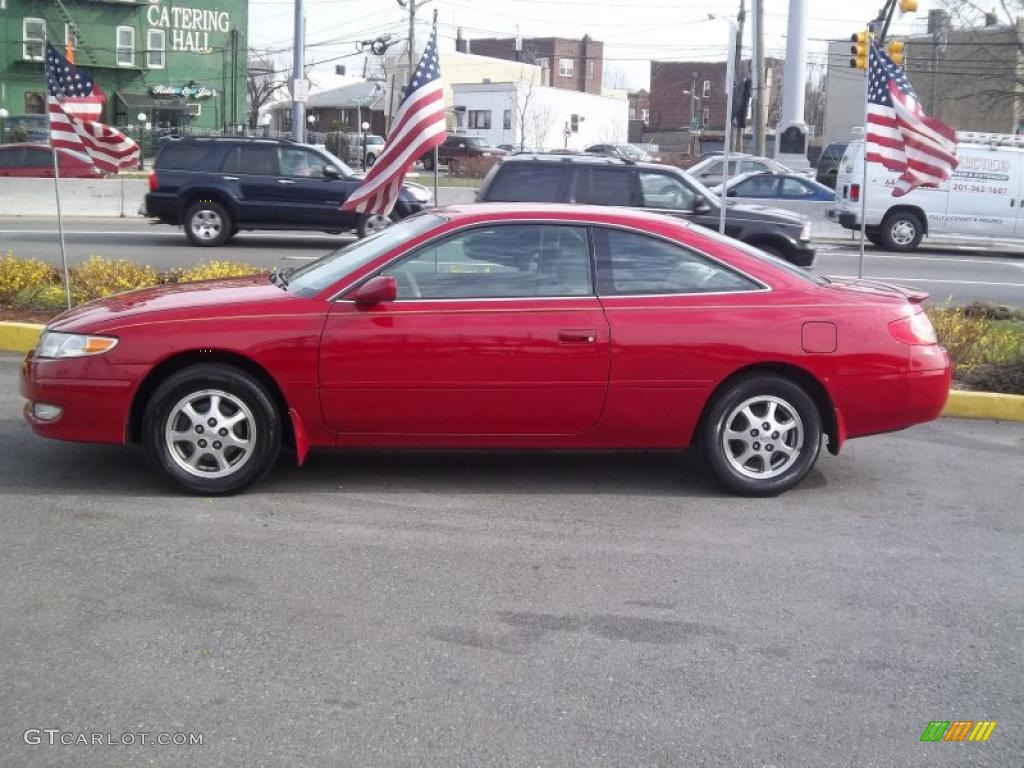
(458,150)
(541,178)
(216,186)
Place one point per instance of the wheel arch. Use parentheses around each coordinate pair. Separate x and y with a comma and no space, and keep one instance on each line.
(184,359)
(762,239)
(811,384)
(906,208)
(194,195)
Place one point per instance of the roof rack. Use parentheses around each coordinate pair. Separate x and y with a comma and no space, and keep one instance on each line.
(992,139)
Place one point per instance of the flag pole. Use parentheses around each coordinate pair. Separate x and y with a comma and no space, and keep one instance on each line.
(56,179)
(864,169)
(435,148)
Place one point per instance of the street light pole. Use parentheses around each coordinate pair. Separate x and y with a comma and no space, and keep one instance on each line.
(142,137)
(730,70)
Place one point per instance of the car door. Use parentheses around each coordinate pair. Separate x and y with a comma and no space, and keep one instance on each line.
(35,162)
(307,195)
(10,161)
(251,172)
(765,186)
(496,332)
(678,321)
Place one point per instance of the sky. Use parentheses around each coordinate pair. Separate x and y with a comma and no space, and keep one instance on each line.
(633,32)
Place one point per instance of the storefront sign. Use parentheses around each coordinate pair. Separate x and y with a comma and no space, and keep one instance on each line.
(190,27)
(185,91)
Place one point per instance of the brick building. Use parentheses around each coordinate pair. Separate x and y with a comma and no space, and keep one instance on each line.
(575,65)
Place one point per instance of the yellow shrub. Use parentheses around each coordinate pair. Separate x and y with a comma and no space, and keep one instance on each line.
(17,275)
(98,277)
(974,341)
(212,270)
(49,296)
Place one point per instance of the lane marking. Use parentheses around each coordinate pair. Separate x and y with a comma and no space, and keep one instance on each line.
(106,233)
(1012,261)
(887,278)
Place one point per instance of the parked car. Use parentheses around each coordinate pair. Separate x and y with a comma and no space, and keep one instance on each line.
(649,334)
(656,188)
(374,146)
(777,186)
(215,187)
(828,163)
(35,160)
(459,149)
(711,171)
(625,151)
(33,129)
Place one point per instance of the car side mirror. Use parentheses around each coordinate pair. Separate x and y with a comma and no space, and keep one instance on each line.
(331,172)
(376,290)
(700,205)
(731,192)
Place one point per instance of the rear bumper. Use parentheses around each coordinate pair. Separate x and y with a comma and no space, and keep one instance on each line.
(846,219)
(164,207)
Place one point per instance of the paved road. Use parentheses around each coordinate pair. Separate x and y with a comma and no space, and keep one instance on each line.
(379,609)
(964,273)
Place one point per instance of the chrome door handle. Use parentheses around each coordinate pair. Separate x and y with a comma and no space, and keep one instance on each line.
(285,181)
(230,178)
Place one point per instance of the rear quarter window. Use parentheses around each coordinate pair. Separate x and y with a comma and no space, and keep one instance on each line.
(182,157)
(525,183)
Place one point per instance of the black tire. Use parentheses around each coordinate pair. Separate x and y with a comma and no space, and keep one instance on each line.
(208,224)
(428,162)
(369,225)
(874,237)
(454,167)
(370,160)
(901,231)
(794,411)
(259,425)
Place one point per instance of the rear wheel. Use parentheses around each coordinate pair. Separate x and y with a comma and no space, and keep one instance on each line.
(212,429)
(428,162)
(371,224)
(208,224)
(370,160)
(762,435)
(901,231)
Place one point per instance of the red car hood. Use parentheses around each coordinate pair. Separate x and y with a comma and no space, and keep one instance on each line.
(208,298)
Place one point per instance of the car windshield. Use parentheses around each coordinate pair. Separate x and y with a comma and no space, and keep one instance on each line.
(342,165)
(314,277)
(374,139)
(473,142)
(629,151)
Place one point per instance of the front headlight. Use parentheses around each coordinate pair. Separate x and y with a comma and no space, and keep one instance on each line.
(805,233)
(419,193)
(55,345)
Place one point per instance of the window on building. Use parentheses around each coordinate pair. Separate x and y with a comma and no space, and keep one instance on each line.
(460,119)
(707,89)
(705,117)
(35,104)
(506,119)
(126,46)
(565,67)
(70,38)
(33,31)
(480,118)
(645,114)
(574,123)
(632,113)
(545,69)
(156,43)
(590,69)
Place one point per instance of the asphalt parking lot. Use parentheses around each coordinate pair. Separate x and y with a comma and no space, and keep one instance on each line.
(381,609)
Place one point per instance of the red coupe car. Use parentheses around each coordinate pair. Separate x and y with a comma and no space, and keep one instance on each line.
(497,326)
(36,160)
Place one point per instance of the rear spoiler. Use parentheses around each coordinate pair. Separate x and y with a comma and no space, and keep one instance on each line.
(913,295)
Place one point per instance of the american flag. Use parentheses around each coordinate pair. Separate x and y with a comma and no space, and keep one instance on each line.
(417,127)
(74,103)
(900,135)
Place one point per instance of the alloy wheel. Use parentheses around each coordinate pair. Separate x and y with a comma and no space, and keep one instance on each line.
(210,433)
(206,224)
(903,232)
(762,437)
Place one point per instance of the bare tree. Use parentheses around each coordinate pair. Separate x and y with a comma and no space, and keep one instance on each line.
(532,118)
(814,99)
(615,79)
(263,79)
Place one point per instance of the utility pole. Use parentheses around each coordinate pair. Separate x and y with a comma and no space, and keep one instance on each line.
(693,110)
(740,19)
(757,76)
(299,75)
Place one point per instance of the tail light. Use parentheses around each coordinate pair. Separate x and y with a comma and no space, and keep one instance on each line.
(855,193)
(915,330)
(154,185)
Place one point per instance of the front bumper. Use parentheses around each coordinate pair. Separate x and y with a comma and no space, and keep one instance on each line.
(93,410)
(801,253)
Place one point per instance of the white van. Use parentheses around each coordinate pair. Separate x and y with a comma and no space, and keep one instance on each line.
(984,197)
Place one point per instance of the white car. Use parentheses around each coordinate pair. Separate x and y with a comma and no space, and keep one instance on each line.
(710,171)
(984,197)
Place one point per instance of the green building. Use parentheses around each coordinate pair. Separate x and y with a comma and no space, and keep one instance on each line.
(180,62)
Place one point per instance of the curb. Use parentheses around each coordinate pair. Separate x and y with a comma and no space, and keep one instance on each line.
(19,337)
(22,337)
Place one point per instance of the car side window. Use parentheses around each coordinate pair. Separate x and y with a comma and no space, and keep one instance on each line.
(258,160)
(498,262)
(751,166)
(715,169)
(629,263)
(604,186)
(663,191)
(300,163)
(10,157)
(796,188)
(37,158)
(757,186)
(526,183)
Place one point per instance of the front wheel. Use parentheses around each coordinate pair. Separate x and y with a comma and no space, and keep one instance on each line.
(212,429)
(901,231)
(762,435)
(371,224)
(208,224)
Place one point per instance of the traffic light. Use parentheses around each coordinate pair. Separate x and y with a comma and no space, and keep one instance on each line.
(895,49)
(908,6)
(861,42)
